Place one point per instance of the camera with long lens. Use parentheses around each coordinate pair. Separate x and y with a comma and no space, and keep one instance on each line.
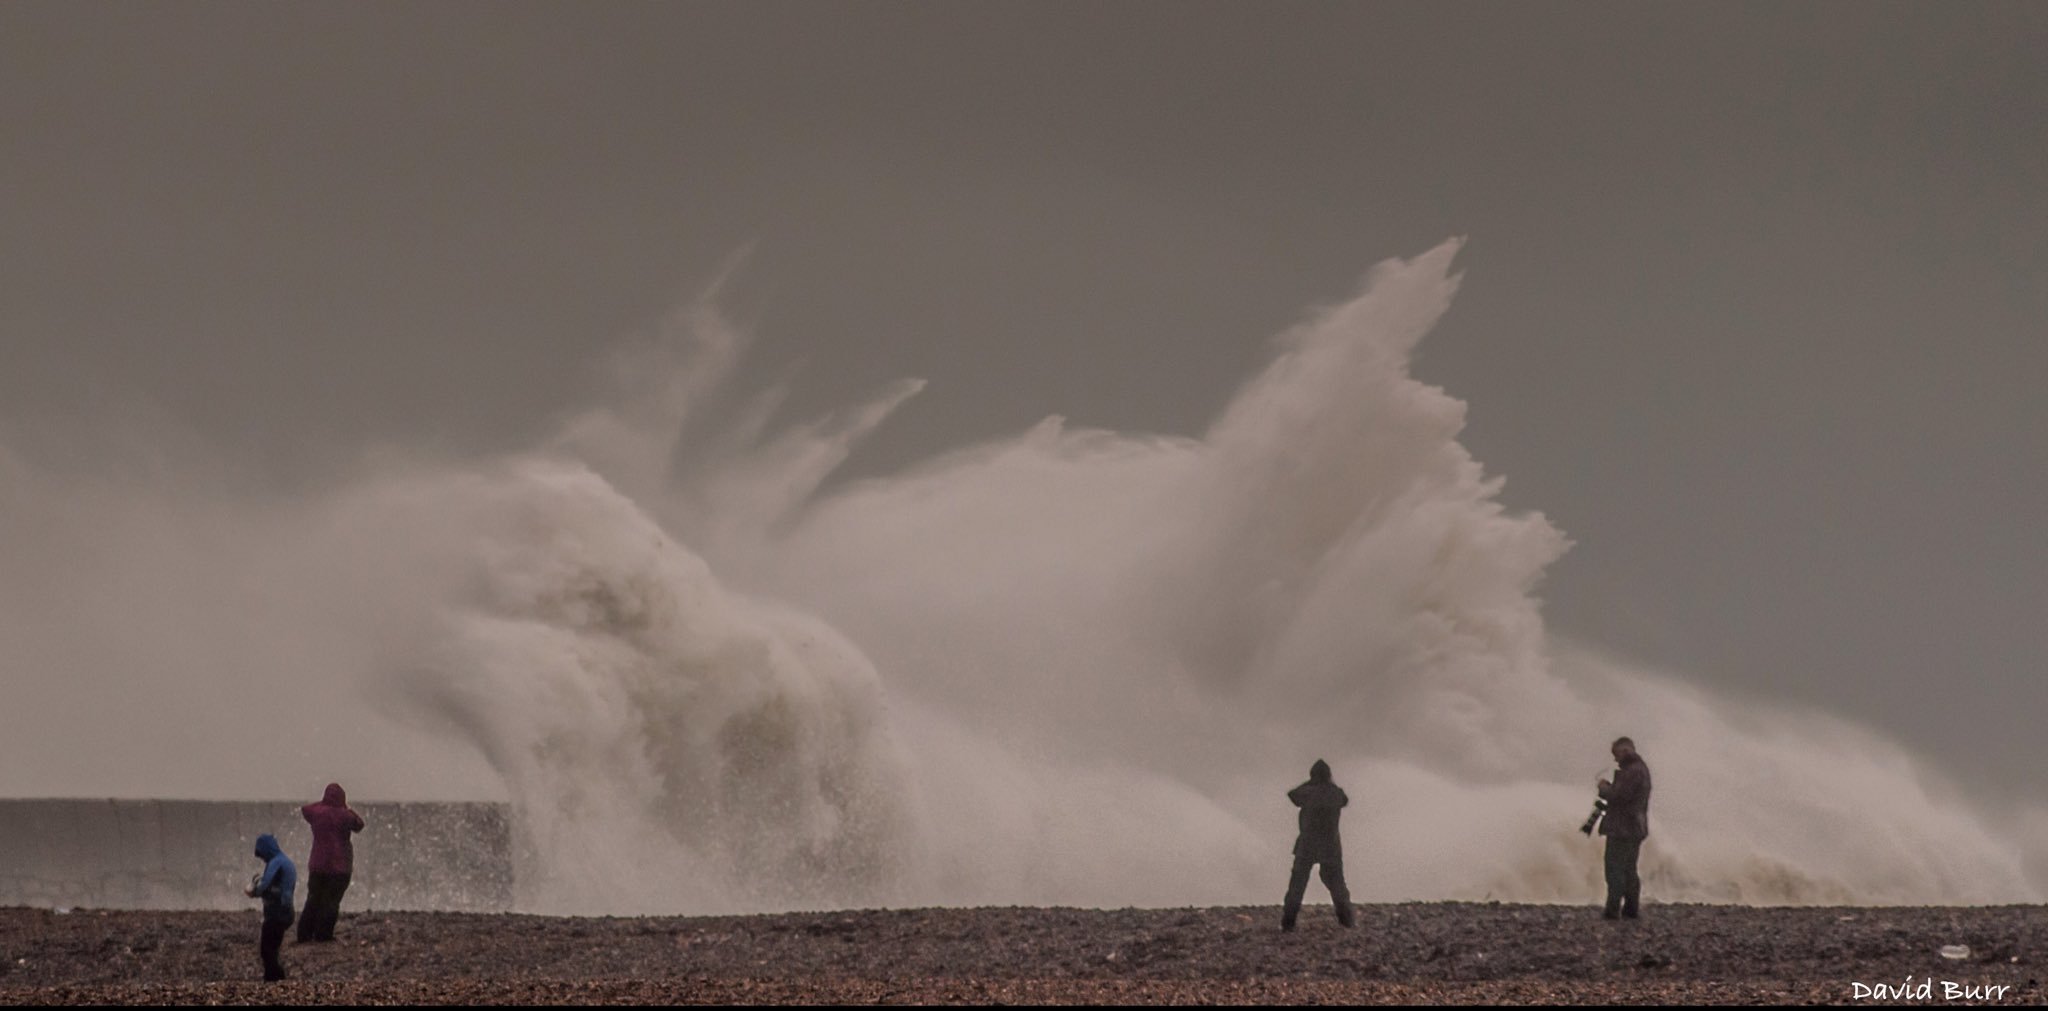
(1599,808)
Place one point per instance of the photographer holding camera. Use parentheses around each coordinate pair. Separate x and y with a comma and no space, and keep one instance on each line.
(1626,825)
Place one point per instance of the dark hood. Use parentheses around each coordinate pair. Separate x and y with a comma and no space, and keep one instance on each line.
(1319,772)
(266,847)
(335,795)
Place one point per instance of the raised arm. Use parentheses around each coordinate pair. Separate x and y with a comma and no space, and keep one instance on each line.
(1318,795)
(1626,788)
(268,878)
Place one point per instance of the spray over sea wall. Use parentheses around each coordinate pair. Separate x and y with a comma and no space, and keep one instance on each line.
(1069,667)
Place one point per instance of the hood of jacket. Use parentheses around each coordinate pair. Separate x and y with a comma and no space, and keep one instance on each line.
(335,796)
(1319,772)
(267,847)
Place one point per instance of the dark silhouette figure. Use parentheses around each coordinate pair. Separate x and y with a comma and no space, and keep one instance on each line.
(1321,803)
(275,885)
(1626,825)
(331,865)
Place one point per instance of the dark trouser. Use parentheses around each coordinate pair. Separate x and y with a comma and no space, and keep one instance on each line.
(273,938)
(323,906)
(1333,879)
(1624,887)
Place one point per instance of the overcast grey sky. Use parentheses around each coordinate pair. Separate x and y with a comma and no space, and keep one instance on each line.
(1753,308)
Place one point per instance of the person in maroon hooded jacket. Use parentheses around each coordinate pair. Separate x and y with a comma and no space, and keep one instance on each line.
(331,864)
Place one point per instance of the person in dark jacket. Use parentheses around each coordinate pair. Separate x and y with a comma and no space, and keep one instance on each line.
(331,865)
(1321,803)
(1626,824)
(276,885)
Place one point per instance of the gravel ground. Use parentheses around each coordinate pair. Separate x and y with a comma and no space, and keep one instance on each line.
(1424,953)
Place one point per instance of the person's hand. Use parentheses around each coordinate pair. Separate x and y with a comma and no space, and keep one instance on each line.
(250,892)
(1604,784)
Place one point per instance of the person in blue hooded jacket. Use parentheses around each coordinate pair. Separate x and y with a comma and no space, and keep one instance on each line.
(276,885)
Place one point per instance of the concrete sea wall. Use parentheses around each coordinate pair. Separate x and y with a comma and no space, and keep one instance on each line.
(189,854)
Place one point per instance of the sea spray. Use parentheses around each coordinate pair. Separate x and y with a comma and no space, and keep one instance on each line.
(1073,666)
(1146,639)
(666,742)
